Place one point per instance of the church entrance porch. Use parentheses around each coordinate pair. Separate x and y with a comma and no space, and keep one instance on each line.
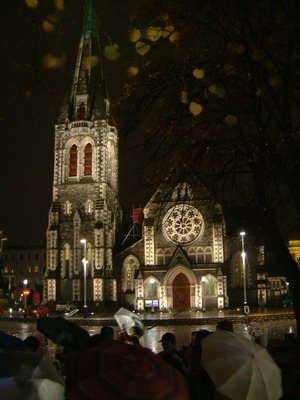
(181,292)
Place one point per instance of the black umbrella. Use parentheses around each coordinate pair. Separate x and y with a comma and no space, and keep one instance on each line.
(11,342)
(62,331)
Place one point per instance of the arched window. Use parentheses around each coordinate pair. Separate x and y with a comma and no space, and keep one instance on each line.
(66,261)
(73,160)
(68,208)
(168,255)
(130,265)
(160,257)
(81,111)
(87,167)
(192,254)
(208,255)
(199,255)
(89,207)
(210,286)
(151,289)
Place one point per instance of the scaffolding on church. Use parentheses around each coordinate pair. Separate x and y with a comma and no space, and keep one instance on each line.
(137,218)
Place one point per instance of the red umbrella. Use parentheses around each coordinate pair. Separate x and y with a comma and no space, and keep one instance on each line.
(117,371)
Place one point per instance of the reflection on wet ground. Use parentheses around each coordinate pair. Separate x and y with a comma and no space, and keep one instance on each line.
(271,329)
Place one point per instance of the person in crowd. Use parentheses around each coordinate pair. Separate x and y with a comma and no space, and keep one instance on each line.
(225,325)
(32,343)
(170,353)
(132,337)
(201,386)
(106,333)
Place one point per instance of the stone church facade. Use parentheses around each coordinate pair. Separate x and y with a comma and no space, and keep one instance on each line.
(184,259)
(85,203)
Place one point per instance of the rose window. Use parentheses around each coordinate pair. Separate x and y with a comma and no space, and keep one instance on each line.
(183,224)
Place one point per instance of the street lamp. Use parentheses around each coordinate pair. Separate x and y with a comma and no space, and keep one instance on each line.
(203,280)
(84,263)
(1,244)
(152,281)
(243,255)
(2,239)
(25,282)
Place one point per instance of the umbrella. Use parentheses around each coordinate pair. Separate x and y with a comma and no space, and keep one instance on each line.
(62,331)
(127,319)
(11,342)
(27,375)
(116,371)
(239,368)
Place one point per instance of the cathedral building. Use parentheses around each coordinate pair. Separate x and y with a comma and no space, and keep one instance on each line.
(85,206)
(185,257)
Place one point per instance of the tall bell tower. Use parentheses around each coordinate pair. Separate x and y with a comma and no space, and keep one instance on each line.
(85,201)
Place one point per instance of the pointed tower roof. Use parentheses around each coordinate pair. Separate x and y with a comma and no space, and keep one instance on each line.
(90,22)
(88,80)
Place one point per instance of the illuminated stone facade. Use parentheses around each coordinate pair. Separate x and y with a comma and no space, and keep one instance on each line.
(184,259)
(85,186)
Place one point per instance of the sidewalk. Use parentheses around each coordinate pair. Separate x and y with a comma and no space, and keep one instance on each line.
(187,317)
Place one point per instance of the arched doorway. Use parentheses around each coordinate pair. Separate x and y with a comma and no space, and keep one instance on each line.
(181,292)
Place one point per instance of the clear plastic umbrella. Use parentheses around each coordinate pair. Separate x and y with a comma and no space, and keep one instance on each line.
(126,319)
(27,375)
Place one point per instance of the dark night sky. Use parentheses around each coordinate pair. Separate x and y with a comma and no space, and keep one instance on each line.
(29,104)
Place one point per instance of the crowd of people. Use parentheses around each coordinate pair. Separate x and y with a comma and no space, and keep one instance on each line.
(186,360)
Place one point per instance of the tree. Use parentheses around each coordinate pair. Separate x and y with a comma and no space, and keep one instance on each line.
(216,89)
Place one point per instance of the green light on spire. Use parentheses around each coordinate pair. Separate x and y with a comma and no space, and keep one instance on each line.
(90,21)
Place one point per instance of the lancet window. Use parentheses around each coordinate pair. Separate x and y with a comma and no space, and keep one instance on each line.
(73,160)
(88,150)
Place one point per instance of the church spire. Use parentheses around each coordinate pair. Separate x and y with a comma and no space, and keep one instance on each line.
(88,96)
(90,22)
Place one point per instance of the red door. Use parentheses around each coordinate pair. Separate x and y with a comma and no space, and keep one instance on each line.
(181,292)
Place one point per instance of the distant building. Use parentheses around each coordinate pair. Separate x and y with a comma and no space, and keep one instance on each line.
(294,249)
(25,261)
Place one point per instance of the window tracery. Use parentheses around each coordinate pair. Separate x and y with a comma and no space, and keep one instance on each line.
(130,265)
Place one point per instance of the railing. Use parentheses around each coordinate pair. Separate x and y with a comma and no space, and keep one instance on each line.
(71,313)
(81,124)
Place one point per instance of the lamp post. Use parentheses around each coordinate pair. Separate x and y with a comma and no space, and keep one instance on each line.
(25,282)
(152,281)
(203,280)
(84,263)
(2,239)
(243,255)
(1,243)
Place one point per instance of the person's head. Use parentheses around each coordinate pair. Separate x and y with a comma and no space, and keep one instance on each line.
(135,331)
(168,341)
(225,325)
(107,332)
(32,343)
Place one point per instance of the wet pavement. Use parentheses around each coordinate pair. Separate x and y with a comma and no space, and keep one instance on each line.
(270,323)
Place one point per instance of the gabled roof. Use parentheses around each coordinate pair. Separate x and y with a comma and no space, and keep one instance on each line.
(179,257)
